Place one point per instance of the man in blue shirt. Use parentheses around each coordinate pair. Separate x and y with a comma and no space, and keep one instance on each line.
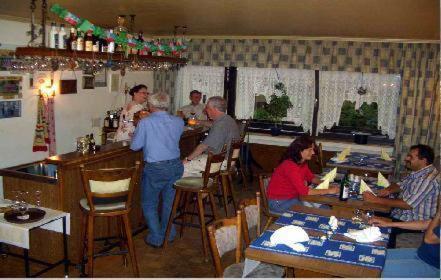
(158,136)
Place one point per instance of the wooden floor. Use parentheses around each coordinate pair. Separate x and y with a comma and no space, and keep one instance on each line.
(182,258)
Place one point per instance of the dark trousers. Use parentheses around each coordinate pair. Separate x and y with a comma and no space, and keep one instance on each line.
(396,231)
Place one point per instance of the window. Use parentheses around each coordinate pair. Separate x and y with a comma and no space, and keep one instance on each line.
(363,119)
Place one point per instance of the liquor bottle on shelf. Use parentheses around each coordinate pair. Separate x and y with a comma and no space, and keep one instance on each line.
(88,42)
(107,120)
(62,39)
(53,36)
(115,121)
(141,38)
(103,45)
(96,44)
(80,41)
(344,187)
(92,145)
(72,42)
(111,45)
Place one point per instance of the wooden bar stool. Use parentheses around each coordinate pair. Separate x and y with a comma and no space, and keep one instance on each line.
(201,188)
(233,161)
(108,194)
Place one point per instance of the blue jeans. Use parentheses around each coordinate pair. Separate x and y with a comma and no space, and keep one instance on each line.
(280,206)
(158,179)
(405,263)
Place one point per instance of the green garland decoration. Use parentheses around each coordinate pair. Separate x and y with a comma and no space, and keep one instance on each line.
(173,47)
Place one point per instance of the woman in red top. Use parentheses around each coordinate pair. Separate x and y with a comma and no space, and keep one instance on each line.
(292,177)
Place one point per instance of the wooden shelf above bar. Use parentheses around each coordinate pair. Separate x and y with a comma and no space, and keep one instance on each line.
(47,52)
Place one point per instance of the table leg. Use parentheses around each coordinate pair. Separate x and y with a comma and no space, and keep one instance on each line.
(26,259)
(66,258)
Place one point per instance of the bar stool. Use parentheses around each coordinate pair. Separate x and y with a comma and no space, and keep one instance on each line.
(108,194)
(201,187)
(233,161)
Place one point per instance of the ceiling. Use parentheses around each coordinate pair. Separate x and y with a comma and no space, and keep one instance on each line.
(379,19)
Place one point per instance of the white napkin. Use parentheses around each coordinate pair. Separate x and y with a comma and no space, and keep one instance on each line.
(323,185)
(370,234)
(385,156)
(330,175)
(290,236)
(382,181)
(365,188)
(333,223)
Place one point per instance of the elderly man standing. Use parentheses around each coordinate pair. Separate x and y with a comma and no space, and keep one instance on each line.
(158,136)
(223,131)
(417,193)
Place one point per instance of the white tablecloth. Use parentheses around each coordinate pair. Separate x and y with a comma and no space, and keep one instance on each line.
(18,234)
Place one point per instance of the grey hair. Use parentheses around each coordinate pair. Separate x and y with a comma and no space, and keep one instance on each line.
(218,102)
(159,100)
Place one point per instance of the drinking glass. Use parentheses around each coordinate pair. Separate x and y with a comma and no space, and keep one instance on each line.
(357,216)
(368,214)
(38,198)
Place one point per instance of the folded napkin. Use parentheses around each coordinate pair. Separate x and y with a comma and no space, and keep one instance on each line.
(370,234)
(364,187)
(342,156)
(330,175)
(323,185)
(290,236)
(382,181)
(385,156)
(333,223)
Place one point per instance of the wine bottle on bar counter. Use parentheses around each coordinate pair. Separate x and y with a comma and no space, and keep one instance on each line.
(92,145)
(107,120)
(115,121)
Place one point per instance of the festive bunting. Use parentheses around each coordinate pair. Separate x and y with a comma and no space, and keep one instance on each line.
(172,47)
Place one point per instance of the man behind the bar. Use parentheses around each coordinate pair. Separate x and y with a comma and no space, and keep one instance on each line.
(158,136)
(195,108)
(417,193)
(223,131)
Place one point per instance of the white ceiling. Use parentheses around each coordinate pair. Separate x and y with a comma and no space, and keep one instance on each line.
(391,19)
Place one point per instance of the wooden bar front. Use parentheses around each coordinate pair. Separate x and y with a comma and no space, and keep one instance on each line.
(65,192)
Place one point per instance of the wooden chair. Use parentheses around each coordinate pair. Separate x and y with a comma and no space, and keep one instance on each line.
(263,185)
(320,159)
(108,194)
(251,211)
(233,161)
(226,235)
(201,187)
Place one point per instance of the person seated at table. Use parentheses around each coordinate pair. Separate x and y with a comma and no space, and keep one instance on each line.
(222,132)
(195,108)
(422,262)
(417,193)
(291,178)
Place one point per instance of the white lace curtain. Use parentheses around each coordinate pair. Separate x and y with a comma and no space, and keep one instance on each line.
(338,86)
(260,81)
(206,79)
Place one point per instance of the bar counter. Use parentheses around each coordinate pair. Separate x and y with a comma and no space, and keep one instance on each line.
(59,180)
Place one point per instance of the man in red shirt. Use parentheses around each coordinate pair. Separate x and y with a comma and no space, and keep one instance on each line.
(292,177)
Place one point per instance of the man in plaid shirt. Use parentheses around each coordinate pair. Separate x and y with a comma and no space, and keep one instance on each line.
(417,193)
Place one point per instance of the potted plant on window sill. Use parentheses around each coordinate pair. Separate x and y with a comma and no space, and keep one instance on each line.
(276,109)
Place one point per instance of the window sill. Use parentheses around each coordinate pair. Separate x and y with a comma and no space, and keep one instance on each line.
(328,144)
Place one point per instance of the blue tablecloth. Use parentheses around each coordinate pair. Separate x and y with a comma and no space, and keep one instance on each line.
(330,250)
(320,223)
(366,160)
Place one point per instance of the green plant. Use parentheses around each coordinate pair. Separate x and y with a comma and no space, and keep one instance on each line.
(277,107)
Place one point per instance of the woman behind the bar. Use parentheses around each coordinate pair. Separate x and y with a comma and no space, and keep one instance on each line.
(126,126)
(292,177)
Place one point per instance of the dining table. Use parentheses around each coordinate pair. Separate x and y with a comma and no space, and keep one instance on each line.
(363,164)
(337,255)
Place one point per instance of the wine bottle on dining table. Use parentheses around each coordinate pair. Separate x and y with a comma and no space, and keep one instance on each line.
(344,188)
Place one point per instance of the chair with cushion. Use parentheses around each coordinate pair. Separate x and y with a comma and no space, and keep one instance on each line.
(251,218)
(263,185)
(225,236)
(108,194)
(199,189)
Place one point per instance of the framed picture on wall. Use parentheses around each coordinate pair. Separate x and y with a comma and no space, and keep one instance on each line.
(10,109)
(101,79)
(10,87)
(68,86)
(88,82)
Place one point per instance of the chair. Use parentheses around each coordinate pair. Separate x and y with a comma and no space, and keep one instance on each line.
(263,184)
(201,187)
(320,159)
(233,161)
(226,235)
(108,194)
(251,217)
